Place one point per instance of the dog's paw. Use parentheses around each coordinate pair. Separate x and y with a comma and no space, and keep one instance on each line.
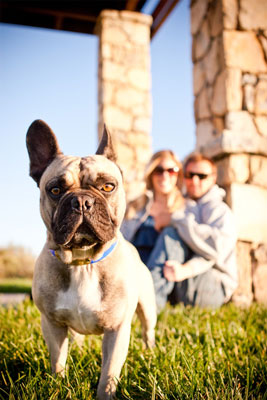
(107,391)
(149,338)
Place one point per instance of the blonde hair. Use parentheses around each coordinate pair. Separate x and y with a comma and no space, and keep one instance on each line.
(154,162)
(140,202)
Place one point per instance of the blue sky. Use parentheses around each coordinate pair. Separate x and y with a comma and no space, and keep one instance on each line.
(52,75)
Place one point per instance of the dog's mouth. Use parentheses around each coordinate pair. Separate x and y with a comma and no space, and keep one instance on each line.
(79,230)
(82,243)
(82,239)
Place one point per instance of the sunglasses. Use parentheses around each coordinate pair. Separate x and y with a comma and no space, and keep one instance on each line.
(190,175)
(171,171)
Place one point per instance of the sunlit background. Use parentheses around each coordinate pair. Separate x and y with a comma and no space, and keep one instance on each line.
(52,75)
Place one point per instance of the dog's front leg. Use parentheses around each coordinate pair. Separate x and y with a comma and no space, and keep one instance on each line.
(56,338)
(114,351)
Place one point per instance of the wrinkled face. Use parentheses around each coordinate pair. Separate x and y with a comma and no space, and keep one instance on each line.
(82,200)
(164,177)
(199,178)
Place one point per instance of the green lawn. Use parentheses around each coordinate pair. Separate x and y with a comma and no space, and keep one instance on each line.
(200,354)
(15,285)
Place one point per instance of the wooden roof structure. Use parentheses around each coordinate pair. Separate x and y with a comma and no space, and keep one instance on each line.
(76,15)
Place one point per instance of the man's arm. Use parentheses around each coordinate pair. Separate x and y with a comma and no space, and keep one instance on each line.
(213,237)
(176,272)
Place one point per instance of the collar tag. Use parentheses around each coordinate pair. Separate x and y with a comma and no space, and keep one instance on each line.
(87,260)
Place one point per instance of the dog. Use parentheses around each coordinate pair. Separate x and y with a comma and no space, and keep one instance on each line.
(88,279)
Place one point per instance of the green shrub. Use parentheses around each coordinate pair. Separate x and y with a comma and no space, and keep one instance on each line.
(16,262)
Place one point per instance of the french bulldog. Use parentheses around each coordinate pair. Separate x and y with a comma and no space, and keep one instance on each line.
(88,279)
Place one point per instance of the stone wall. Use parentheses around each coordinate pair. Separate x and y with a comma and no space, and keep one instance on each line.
(229,53)
(124,84)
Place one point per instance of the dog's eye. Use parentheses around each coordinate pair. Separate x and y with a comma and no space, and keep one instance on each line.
(55,191)
(108,187)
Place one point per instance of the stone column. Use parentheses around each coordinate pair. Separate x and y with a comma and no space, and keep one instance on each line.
(124,83)
(230,87)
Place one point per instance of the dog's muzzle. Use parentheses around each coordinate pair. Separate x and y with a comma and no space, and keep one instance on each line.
(82,203)
(82,219)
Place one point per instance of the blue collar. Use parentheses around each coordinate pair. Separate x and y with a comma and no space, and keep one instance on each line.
(105,254)
(87,260)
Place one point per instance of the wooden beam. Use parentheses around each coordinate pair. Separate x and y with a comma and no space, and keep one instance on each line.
(58,23)
(134,5)
(67,18)
(161,12)
(55,13)
(131,5)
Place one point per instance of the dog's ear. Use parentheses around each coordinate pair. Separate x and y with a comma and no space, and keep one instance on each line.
(105,147)
(42,148)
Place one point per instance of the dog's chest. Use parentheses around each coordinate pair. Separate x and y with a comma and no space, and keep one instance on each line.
(80,305)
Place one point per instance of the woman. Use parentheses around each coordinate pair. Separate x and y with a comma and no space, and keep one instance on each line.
(150,213)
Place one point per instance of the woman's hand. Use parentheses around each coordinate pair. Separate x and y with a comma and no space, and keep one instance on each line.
(175,272)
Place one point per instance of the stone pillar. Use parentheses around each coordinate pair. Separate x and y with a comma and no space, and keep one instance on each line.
(230,86)
(124,83)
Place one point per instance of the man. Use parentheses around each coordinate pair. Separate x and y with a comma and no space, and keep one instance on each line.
(193,261)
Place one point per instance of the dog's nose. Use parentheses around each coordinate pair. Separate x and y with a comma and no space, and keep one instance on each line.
(82,203)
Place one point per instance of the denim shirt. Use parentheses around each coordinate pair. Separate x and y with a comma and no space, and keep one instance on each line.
(145,238)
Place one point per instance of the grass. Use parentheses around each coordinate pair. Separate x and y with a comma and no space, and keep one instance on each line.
(200,354)
(15,285)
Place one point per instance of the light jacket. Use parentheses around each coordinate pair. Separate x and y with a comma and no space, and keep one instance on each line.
(208,228)
(134,219)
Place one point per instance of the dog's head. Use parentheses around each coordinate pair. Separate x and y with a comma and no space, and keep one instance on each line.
(82,200)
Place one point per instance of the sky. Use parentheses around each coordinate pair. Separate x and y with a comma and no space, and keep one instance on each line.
(52,75)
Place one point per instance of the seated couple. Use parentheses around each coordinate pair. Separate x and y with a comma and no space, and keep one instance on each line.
(187,243)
